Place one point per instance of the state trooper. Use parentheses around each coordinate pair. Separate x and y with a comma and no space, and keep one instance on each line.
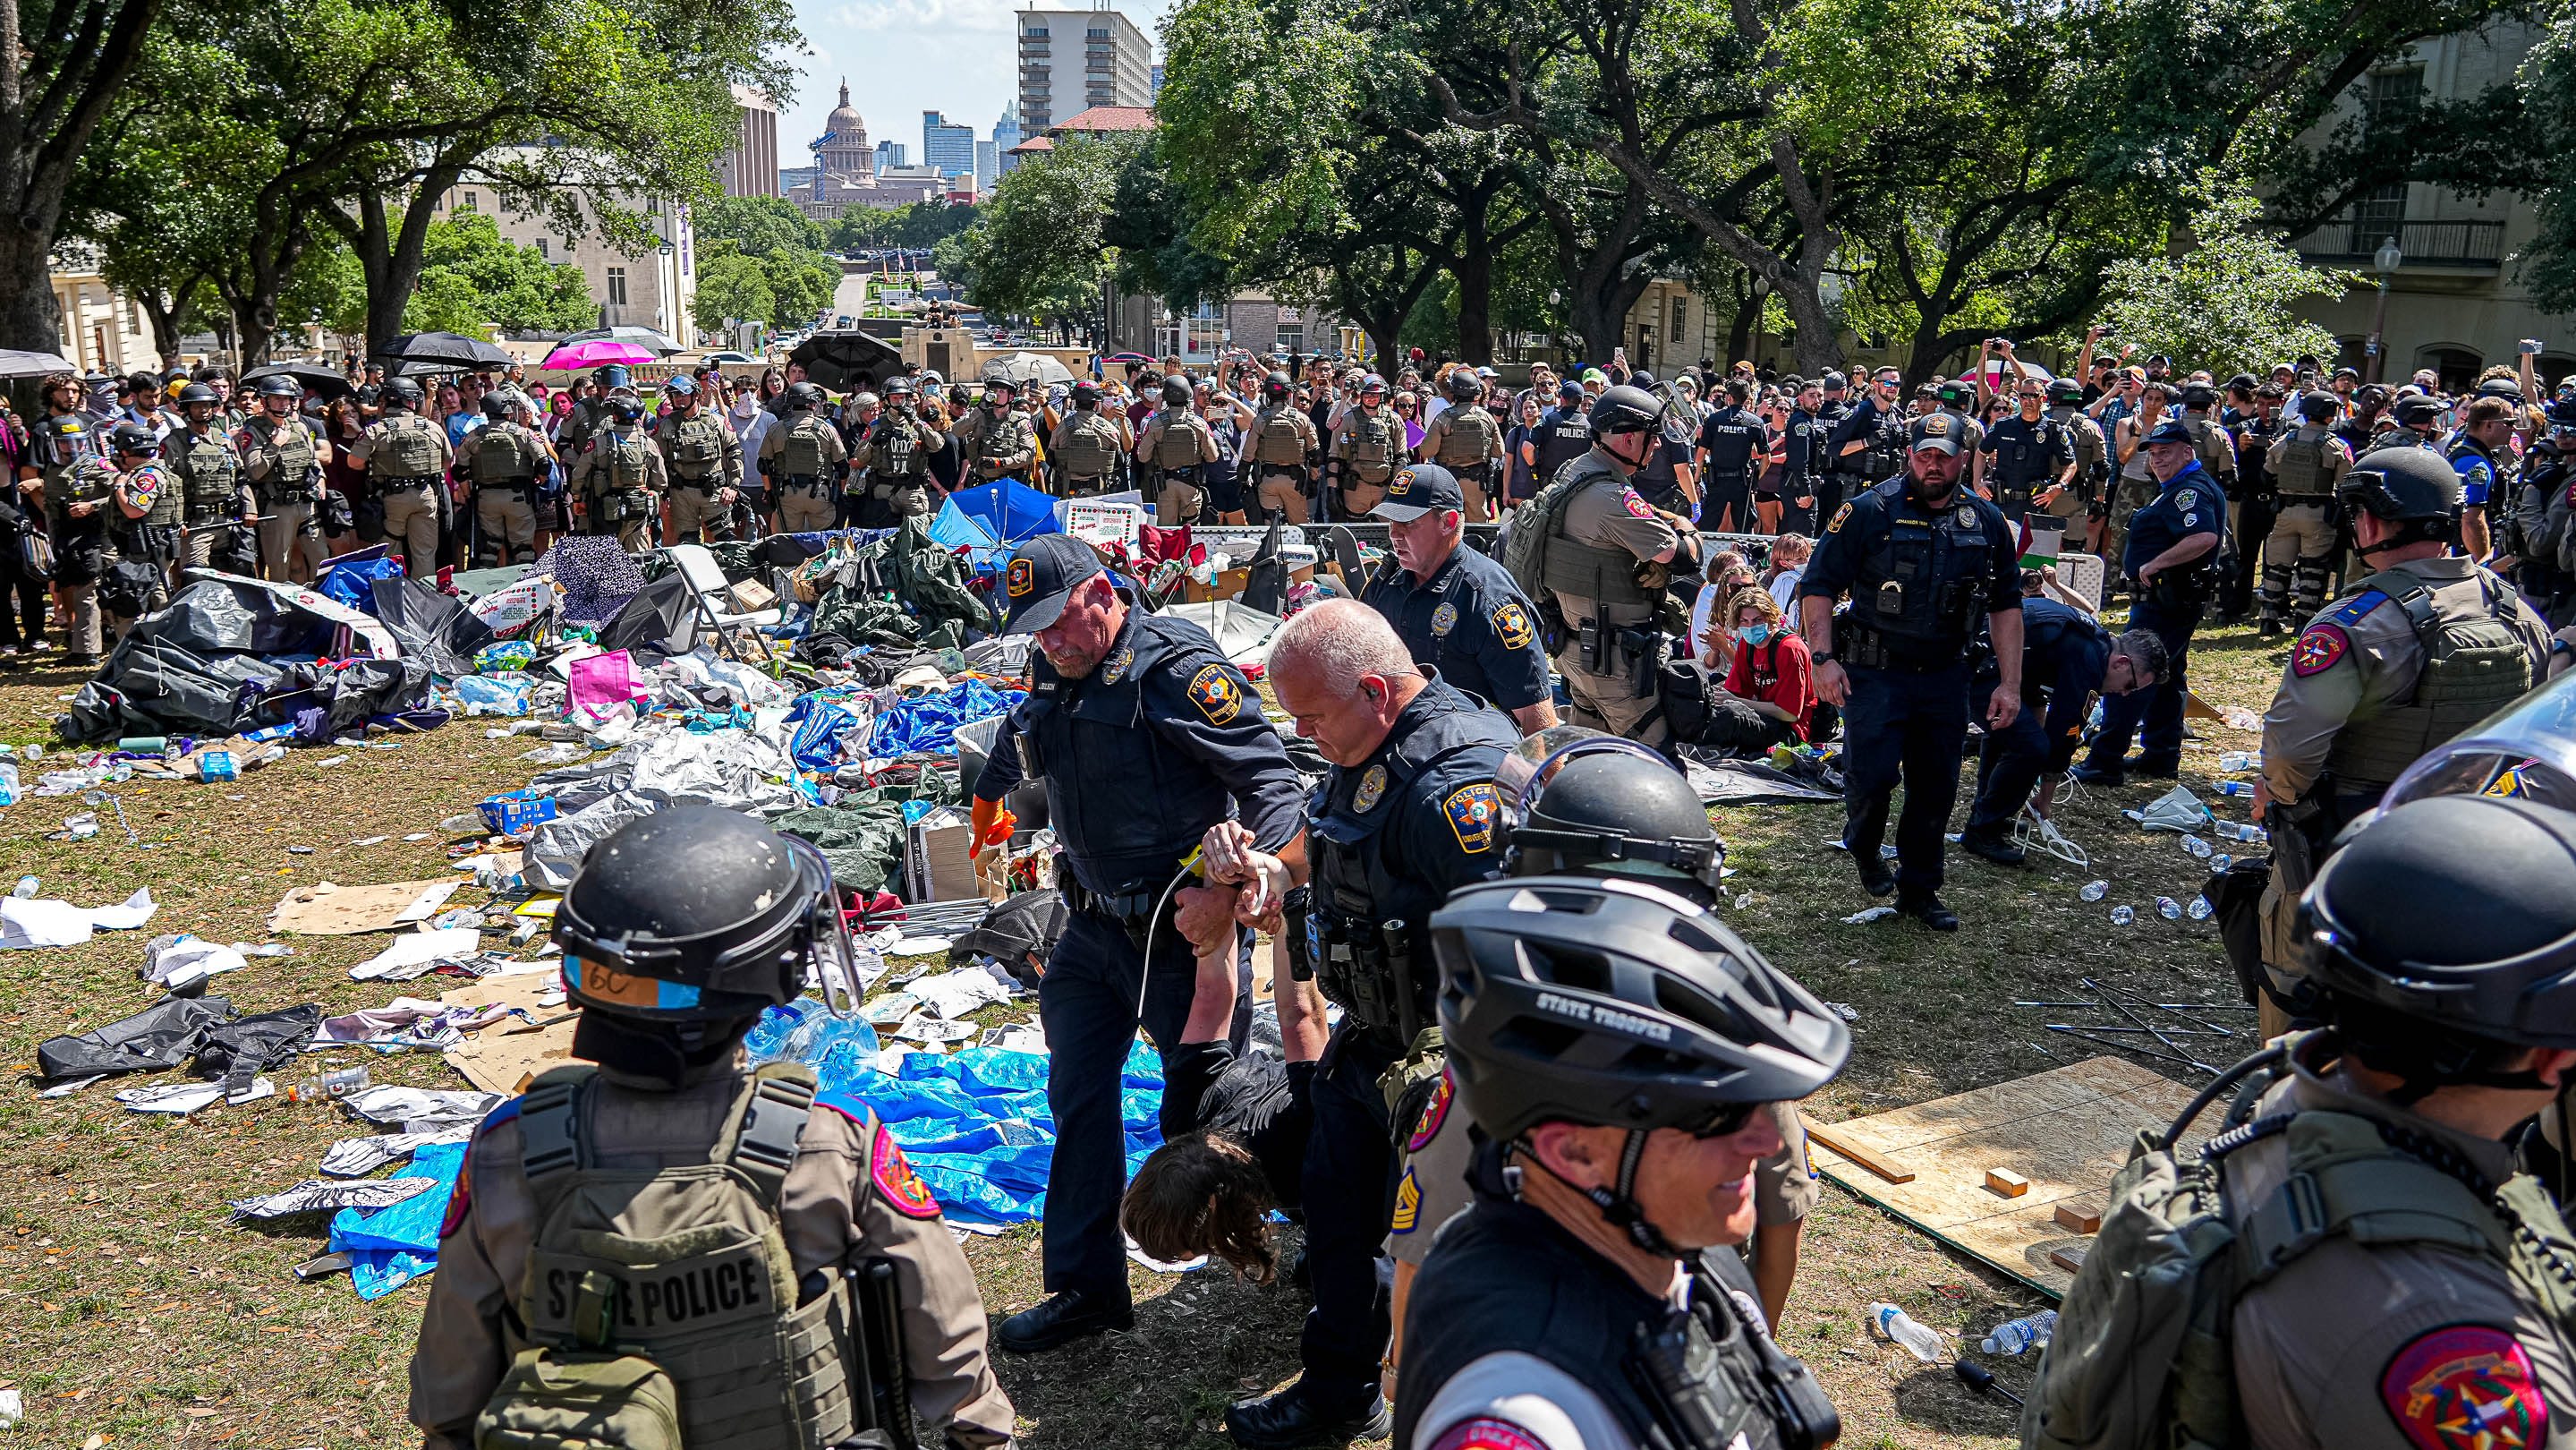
(622,478)
(802,456)
(80,499)
(1176,443)
(1457,610)
(1407,814)
(704,461)
(283,453)
(1922,557)
(1608,559)
(1733,440)
(997,441)
(2307,465)
(216,496)
(1281,452)
(1145,736)
(1592,1297)
(1088,444)
(2371,1268)
(2408,657)
(1467,441)
(2168,554)
(896,456)
(2211,443)
(503,460)
(1367,447)
(2075,493)
(407,458)
(145,524)
(665,1243)
(2067,657)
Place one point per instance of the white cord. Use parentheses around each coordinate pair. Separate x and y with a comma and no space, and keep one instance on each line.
(1145,967)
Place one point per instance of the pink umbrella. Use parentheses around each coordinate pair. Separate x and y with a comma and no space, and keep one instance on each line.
(595,352)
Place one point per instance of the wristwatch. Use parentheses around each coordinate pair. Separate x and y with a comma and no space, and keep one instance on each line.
(1822,656)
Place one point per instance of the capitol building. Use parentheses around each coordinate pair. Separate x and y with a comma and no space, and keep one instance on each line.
(846,173)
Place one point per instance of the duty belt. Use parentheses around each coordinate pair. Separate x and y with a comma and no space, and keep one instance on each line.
(400,482)
(707,483)
(1133,910)
(1368,971)
(810,482)
(1871,648)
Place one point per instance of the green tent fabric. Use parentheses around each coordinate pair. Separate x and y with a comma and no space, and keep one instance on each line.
(862,836)
(931,579)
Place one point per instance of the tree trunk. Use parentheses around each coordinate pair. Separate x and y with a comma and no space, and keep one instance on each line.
(28,318)
(1750,299)
(168,316)
(391,255)
(1474,273)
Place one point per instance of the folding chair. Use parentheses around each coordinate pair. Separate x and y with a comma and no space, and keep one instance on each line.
(714,599)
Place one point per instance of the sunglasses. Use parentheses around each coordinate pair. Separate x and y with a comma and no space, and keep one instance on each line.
(1727,1121)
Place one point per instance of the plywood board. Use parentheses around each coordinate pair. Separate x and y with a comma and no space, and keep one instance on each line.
(503,1057)
(2066,1130)
(329,910)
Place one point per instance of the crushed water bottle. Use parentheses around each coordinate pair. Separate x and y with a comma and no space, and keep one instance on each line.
(2241,788)
(1900,1327)
(2199,909)
(2122,916)
(843,1053)
(27,888)
(2017,1335)
(2095,890)
(323,1087)
(2221,861)
(2237,762)
(2196,846)
(2247,833)
(2168,908)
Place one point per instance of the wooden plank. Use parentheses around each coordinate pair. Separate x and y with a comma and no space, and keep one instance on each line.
(1832,1136)
(2006,1182)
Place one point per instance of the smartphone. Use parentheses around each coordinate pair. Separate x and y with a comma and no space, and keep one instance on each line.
(2531,346)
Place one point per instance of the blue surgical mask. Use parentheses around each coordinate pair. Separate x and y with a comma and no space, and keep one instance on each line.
(1756,635)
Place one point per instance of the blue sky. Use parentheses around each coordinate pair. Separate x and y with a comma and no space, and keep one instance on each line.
(903,57)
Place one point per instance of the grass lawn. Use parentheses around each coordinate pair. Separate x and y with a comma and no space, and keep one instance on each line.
(133,1311)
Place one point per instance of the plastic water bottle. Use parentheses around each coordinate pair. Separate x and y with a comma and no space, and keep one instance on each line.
(322,1087)
(2242,788)
(2248,833)
(1897,1325)
(2168,908)
(2122,916)
(26,888)
(2199,909)
(2196,846)
(2237,762)
(2221,861)
(2095,890)
(2015,1336)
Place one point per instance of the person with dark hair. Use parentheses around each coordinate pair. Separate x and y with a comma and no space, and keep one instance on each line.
(2067,656)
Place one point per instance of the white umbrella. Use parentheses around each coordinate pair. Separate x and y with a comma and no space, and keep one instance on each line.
(1028,369)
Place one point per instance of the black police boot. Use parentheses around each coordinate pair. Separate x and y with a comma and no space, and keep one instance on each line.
(2102,775)
(1289,1421)
(2156,769)
(1993,845)
(1876,876)
(1927,909)
(1062,1319)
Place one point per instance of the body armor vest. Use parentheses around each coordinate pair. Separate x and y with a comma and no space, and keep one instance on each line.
(697,449)
(211,475)
(1376,441)
(169,497)
(295,476)
(802,455)
(506,457)
(1923,581)
(1178,447)
(898,449)
(1276,438)
(1562,438)
(1090,446)
(623,454)
(1567,565)
(1470,438)
(2474,665)
(405,453)
(2301,477)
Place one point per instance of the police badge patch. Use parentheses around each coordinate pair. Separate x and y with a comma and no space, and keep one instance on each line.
(1214,691)
(1967,517)
(1512,625)
(1434,1113)
(2465,1387)
(1401,484)
(1022,578)
(1473,812)
(1638,506)
(2319,646)
(1116,669)
(1840,514)
(2186,498)
(1372,788)
(1443,620)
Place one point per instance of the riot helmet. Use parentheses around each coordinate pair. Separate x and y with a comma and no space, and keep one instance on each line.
(195,393)
(802,395)
(496,406)
(1625,409)
(1581,800)
(1176,391)
(1465,386)
(2413,487)
(1953,394)
(2319,407)
(401,393)
(136,440)
(625,409)
(279,385)
(1274,388)
(612,376)
(2065,393)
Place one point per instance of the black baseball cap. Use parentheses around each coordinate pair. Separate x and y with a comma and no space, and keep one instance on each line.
(1937,431)
(1041,575)
(1420,489)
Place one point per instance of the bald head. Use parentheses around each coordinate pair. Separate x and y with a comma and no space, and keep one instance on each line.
(1340,639)
(1340,670)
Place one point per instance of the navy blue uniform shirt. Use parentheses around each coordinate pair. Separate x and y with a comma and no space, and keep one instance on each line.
(2190,503)
(2063,652)
(1862,529)
(1470,622)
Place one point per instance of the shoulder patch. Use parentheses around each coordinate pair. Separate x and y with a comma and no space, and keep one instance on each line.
(1473,812)
(460,1201)
(1020,578)
(1216,694)
(892,1173)
(1372,788)
(1483,1433)
(2352,611)
(1636,505)
(1434,1113)
(2465,1387)
(2319,646)
(1512,625)
(1408,1205)
(1840,514)
(2186,498)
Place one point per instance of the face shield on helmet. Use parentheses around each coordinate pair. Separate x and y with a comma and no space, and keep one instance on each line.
(1538,842)
(732,972)
(2527,751)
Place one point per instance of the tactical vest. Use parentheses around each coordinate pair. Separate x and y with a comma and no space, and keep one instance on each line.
(1562,438)
(621,452)
(1178,447)
(801,454)
(1469,439)
(2023,465)
(2474,665)
(2500,485)
(1506,1278)
(1276,438)
(293,477)
(405,453)
(2302,477)
(899,453)
(697,448)
(2210,443)
(2085,437)
(1090,447)
(999,437)
(1367,924)
(1544,560)
(1924,581)
(169,498)
(211,475)
(2142,1358)
(1376,441)
(1736,438)
(84,480)
(505,457)
(661,1308)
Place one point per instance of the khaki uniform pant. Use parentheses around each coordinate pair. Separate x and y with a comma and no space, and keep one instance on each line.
(507,521)
(411,519)
(694,508)
(80,601)
(197,546)
(802,511)
(635,536)
(289,529)
(1605,702)
(1177,504)
(2300,531)
(908,501)
(1359,498)
(1471,484)
(1281,493)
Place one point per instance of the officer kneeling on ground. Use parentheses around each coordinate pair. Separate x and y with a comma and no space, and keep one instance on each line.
(2066,656)
(1616,1045)
(668,1249)
(2354,1261)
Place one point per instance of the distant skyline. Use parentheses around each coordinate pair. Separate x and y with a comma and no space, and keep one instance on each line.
(904,57)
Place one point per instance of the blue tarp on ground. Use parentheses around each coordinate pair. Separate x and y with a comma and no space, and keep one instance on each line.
(929,722)
(390,1247)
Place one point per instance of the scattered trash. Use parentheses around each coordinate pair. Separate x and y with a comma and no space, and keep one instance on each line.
(329,1086)
(316,1195)
(332,760)
(2095,890)
(370,841)
(2176,810)
(2237,762)
(2241,789)
(2196,846)
(179,963)
(2122,916)
(1875,913)
(26,888)
(418,952)
(2168,908)
(2199,910)
(184,1098)
(1844,1010)
(1898,1327)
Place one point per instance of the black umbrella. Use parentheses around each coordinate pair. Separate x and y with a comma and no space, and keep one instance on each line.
(843,361)
(447,349)
(322,382)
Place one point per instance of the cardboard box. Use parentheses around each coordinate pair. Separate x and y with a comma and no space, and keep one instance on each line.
(1230,583)
(935,864)
(751,596)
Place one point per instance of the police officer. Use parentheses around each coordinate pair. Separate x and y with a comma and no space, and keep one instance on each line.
(2211,443)
(2078,491)
(1407,814)
(1591,1296)
(144,526)
(80,500)
(2252,418)
(1467,441)
(1733,441)
(623,478)
(802,456)
(2481,453)
(1145,736)
(1608,559)
(2066,657)
(2419,422)
(2405,659)
(1803,452)
(1176,443)
(1958,398)
(2307,465)
(896,456)
(2171,543)
(661,1210)
(1921,557)
(1831,477)
(407,458)
(283,453)
(998,442)
(2026,454)
(503,459)
(1088,444)
(1564,434)
(1281,451)
(704,461)
(2546,571)
(1367,448)
(2408,1290)
(590,413)
(216,497)
(1457,610)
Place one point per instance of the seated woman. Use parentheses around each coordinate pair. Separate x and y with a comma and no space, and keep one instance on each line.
(1772,671)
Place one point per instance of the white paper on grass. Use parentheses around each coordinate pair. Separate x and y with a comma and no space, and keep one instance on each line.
(954,994)
(27,924)
(183,1098)
(419,949)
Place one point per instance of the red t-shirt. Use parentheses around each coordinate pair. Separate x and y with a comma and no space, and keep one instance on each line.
(1780,673)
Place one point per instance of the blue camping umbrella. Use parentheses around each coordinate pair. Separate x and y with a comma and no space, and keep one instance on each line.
(990,520)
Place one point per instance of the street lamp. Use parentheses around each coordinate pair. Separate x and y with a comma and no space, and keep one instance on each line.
(2385,261)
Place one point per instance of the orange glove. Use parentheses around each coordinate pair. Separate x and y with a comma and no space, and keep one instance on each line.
(993,826)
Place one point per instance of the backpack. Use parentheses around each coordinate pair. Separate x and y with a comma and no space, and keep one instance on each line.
(801,456)
(659,1309)
(2143,1358)
(409,447)
(1533,524)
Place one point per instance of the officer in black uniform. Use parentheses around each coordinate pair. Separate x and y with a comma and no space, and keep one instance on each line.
(2066,657)
(1457,610)
(2253,419)
(1733,441)
(2025,452)
(1407,814)
(1564,434)
(1145,737)
(2172,542)
(1831,487)
(1802,460)
(1591,1296)
(1922,557)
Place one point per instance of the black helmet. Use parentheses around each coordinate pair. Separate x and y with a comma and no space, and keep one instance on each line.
(625,408)
(2562,413)
(802,394)
(1953,394)
(2065,393)
(699,914)
(1372,384)
(136,439)
(1580,800)
(1624,409)
(2404,485)
(613,376)
(1176,391)
(401,393)
(1275,386)
(2495,959)
(2198,395)
(1465,386)
(1085,394)
(2319,407)
(1615,1004)
(199,393)
(900,386)
(2417,410)
(496,406)
(279,385)
(999,387)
